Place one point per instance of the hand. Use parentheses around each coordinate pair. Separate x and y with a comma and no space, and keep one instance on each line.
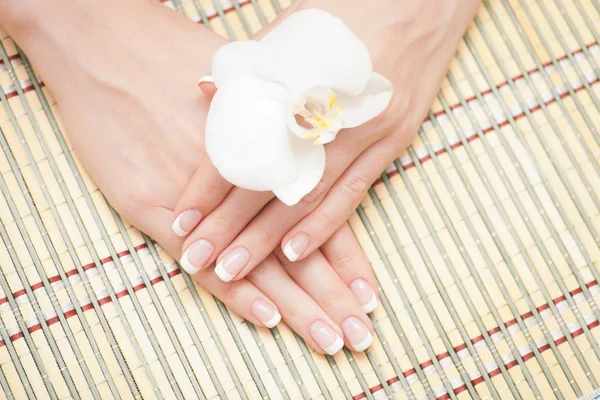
(411,43)
(134,115)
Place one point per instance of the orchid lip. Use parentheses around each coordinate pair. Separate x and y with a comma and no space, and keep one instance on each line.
(317,116)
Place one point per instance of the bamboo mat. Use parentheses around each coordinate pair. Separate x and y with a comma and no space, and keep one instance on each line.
(484,237)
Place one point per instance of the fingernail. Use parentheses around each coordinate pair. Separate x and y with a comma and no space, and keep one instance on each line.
(232,264)
(326,337)
(196,256)
(364,294)
(294,248)
(266,313)
(186,221)
(357,333)
(206,79)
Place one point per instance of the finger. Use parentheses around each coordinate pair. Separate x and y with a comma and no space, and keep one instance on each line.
(297,308)
(265,231)
(220,227)
(241,296)
(207,85)
(204,193)
(317,278)
(342,199)
(350,263)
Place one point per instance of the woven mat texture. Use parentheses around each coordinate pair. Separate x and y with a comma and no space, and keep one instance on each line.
(484,237)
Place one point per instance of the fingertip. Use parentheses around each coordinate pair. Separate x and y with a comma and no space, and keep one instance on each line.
(222,273)
(371,305)
(266,313)
(207,85)
(176,227)
(274,321)
(364,344)
(364,294)
(289,252)
(187,266)
(233,264)
(296,246)
(358,333)
(326,337)
(207,79)
(335,347)
(186,222)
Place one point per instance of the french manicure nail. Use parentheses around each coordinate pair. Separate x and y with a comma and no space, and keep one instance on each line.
(186,221)
(266,313)
(297,245)
(206,79)
(357,333)
(326,337)
(364,294)
(196,256)
(232,264)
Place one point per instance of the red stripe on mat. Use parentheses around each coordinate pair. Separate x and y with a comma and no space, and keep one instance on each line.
(480,379)
(391,381)
(485,132)
(87,267)
(225,10)
(491,374)
(520,76)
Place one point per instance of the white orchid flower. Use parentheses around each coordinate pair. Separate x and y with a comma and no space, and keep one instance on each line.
(280,99)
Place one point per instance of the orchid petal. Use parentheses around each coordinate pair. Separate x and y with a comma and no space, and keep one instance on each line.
(233,59)
(247,137)
(311,158)
(369,104)
(314,48)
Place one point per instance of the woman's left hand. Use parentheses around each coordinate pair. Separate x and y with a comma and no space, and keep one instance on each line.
(411,43)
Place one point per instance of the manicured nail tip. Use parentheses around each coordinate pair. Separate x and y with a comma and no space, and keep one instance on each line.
(187,266)
(365,344)
(290,253)
(222,273)
(273,321)
(206,79)
(371,305)
(335,347)
(177,228)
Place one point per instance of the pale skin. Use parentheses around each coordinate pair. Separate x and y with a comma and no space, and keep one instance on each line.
(124,75)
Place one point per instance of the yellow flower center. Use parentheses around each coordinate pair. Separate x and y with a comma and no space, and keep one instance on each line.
(319,116)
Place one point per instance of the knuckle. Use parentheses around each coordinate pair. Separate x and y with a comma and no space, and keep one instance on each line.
(262,234)
(329,220)
(139,197)
(257,274)
(212,192)
(315,195)
(221,224)
(356,186)
(295,311)
(331,301)
(232,291)
(343,261)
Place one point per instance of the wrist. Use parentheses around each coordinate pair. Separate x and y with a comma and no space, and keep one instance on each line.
(89,43)
(25,18)
(21,16)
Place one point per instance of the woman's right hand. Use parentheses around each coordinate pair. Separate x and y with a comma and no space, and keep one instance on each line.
(134,116)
